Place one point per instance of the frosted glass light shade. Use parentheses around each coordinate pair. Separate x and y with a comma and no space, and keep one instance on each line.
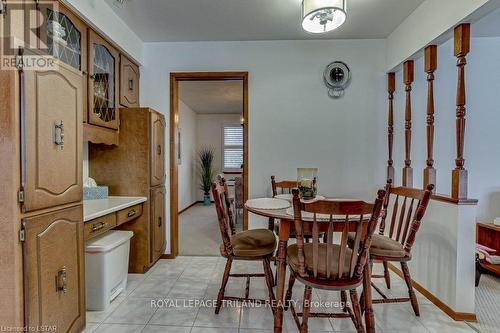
(319,16)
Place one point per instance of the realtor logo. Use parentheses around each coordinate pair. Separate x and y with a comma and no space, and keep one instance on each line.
(22,25)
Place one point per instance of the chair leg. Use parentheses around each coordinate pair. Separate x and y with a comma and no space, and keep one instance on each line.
(288,296)
(356,308)
(306,309)
(387,276)
(343,300)
(225,278)
(413,297)
(269,282)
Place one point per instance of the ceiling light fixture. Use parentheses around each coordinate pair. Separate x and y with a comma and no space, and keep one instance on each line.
(319,16)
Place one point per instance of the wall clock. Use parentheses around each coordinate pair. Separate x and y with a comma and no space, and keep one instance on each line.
(337,76)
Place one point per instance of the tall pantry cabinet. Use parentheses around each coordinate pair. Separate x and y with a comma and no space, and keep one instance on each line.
(41,215)
(141,172)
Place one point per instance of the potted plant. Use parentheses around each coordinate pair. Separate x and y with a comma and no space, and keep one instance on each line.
(206,172)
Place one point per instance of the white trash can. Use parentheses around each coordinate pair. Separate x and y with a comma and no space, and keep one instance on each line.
(106,268)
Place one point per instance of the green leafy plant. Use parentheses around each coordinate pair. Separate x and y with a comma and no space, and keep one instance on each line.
(206,171)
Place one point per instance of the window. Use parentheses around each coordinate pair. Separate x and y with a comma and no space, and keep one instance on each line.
(233,147)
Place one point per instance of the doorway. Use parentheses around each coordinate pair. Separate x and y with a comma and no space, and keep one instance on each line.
(223,123)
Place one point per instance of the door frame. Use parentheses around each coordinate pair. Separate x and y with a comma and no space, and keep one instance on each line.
(174,117)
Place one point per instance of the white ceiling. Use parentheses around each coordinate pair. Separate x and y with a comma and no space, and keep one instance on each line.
(243,20)
(212,96)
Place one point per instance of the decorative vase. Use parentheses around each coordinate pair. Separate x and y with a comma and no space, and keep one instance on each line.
(307,182)
(206,200)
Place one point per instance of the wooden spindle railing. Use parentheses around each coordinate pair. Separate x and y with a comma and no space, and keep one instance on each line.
(459,174)
(430,67)
(408,80)
(391,88)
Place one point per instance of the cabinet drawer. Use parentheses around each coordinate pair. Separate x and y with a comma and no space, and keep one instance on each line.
(99,226)
(128,214)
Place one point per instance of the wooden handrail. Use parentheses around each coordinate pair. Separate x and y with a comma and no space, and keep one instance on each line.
(391,88)
(408,80)
(461,49)
(430,67)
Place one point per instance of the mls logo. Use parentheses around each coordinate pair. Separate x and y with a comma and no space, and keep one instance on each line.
(26,34)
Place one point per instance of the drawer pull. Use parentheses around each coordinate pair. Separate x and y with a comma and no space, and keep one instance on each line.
(131,213)
(98,226)
(62,280)
(59,139)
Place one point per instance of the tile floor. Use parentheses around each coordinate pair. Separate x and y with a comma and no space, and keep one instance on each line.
(198,278)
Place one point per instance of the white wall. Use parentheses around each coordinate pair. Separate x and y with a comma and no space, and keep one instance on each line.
(187,169)
(292,121)
(482,128)
(429,21)
(100,16)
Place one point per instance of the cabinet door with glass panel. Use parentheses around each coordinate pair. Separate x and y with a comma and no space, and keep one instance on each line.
(104,65)
(63,35)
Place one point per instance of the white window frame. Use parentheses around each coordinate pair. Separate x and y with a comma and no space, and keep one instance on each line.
(224,146)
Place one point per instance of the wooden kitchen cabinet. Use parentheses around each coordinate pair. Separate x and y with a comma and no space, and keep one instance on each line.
(52,167)
(104,67)
(157,149)
(129,83)
(54,270)
(157,222)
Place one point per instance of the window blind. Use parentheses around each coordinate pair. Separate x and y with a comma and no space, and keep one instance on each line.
(233,147)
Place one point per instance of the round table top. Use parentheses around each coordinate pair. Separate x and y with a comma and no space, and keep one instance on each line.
(282,214)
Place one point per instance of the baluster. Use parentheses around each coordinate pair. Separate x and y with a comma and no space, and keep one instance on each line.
(391,88)
(459,174)
(430,68)
(408,79)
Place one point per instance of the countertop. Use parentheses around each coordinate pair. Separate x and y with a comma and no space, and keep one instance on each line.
(93,209)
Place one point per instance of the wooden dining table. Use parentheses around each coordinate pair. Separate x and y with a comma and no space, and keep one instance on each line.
(286,225)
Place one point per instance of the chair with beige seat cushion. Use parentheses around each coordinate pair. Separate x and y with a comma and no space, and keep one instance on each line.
(330,266)
(258,244)
(394,244)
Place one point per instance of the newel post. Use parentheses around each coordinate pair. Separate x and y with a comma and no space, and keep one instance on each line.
(430,67)
(391,88)
(459,174)
(408,80)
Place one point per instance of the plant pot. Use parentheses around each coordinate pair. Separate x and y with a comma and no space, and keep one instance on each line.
(206,200)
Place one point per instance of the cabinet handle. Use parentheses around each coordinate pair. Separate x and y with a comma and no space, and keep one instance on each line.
(62,280)
(59,139)
(131,213)
(158,149)
(96,227)
(131,84)
(159,221)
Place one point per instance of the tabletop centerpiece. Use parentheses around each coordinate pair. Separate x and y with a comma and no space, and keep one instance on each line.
(307,182)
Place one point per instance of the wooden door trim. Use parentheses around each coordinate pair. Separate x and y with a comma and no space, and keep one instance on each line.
(174,116)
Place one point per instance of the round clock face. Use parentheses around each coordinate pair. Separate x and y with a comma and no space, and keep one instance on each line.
(337,75)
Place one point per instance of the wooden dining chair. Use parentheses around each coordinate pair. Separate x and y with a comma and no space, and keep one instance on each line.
(327,265)
(256,244)
(395,244)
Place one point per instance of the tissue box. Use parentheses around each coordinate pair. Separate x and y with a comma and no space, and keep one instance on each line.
(93,193)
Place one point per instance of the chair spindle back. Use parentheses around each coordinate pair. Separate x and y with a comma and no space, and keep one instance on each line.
(352,215)
(224,210)
(282,187)
(408,208)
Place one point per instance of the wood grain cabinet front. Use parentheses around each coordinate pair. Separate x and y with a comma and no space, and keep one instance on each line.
(129,83)
(51,139)
(129,214)
(157,127)
(157,222)
(99,226)
(54,271)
